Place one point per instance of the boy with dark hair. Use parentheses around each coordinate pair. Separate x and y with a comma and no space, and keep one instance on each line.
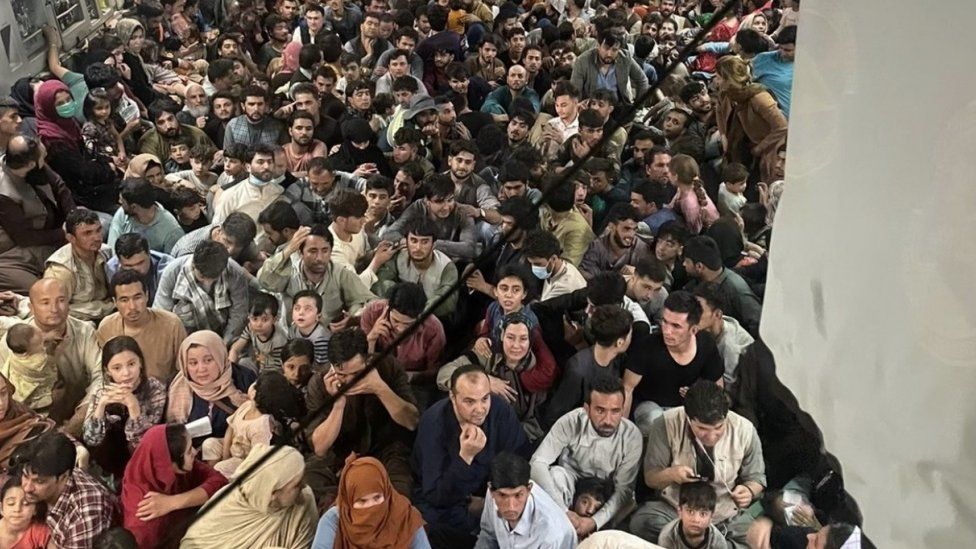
(730,191)
(179,154)
(306,309)
(563,220)
(262,339)
(420,261)
(646,287)
(620,248)
(693,529)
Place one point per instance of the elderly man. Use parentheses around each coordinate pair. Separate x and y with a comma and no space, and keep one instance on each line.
(702,440)
(592,441)
(207,290)
(69,342)
(33,205)
(158,332)
(81,266)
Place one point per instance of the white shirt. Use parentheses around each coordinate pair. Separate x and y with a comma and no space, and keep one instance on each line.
(567,280)
(543,525)
(247,198)
(347,254)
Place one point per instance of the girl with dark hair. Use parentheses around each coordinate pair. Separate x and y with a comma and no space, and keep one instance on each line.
(297,358)
(99,133)
(163,484)
(125,407)
(20,525)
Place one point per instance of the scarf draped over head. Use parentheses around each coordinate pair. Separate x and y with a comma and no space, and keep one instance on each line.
(18,425)
(50,126)
(249,516)
(124,29)
(23,93)
(389,525)
(289,57)
(726,234)
(140,164)
(182,389)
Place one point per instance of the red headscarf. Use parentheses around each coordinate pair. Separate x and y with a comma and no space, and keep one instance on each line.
(289,57)
(50,126)
(389,525)
(151,470)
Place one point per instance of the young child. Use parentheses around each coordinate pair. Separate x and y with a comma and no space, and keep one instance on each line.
(297,359)
(190,209)
(276,403)
(235,171)
(691,201)
(306,312)
(693,528)
(590,495)
(198,177)
(179,155)
(262,340)
(511,294)
(101,137)
(730,197)
(455,17)
(28,368)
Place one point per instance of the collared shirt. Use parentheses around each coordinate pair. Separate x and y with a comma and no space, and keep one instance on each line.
(599,256)
(157,262)
(340,288)
(419,352)
(241,131)
(607,80)
(572,231)
(163,232)
(574,444)
(347,254)
(87,284)
(457,235)
(543,525)
(84,510)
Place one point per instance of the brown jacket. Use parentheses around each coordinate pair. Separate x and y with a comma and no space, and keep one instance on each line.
(756,123)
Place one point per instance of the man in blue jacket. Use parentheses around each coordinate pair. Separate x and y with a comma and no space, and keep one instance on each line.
(456,441)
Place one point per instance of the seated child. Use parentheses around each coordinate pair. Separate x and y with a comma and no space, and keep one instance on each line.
(179,155)
(198,177)
(306,312)
(693,527)
(297,359)
(29,369)
(101,137)
(276,403)
(190,209)
(262,339)
(730,197)
(590,495)
(235,171)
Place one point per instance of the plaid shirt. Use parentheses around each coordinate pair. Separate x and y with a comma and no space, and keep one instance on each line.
(242,132)
(84,510)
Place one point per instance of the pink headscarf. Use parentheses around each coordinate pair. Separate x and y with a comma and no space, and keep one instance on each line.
(290,57)
(50,126)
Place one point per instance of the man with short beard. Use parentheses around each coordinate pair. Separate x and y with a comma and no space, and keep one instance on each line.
(597,441)
(326,129)
(278,30)
(223,108)
(619,247)
(537,76)
(80,266)
(256,192)
(369,45)
(303,146)
(518,129)
(33,205)
(168,129)
(254,126)
(609,66)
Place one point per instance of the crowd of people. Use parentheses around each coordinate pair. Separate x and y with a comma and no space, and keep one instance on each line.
(455,273)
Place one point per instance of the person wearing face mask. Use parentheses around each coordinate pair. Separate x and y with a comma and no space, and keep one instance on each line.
(543,252)
(33,204)
(163,483)
(251,196)
(702,441)
(369,512)
(93,181)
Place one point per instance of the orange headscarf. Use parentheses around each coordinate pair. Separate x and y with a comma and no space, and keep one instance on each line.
(391,524)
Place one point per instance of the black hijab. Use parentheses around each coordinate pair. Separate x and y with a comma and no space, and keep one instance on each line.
(349,157)
(725,232)
(23,93)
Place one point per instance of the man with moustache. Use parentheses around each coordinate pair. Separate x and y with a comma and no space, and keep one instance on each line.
(456,441)
(162,113)
(255,193)
(501,102)
(254,126)
(593,441)
(303,146)
(619,247)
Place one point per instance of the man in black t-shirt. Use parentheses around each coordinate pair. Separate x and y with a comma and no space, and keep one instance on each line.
(658,375)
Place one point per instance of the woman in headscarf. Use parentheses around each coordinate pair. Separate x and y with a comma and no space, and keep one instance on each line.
(369,513)
(207,384)
(507,367)
(23,93)
(751,124)
(93,181)
(271,507)
(18,424)
(359,147)
(163,484)
(148,167)
(133,36)
(725,232)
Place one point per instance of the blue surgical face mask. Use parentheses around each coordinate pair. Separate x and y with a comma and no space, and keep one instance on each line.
(256,181)
(542,273)
(66,110)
